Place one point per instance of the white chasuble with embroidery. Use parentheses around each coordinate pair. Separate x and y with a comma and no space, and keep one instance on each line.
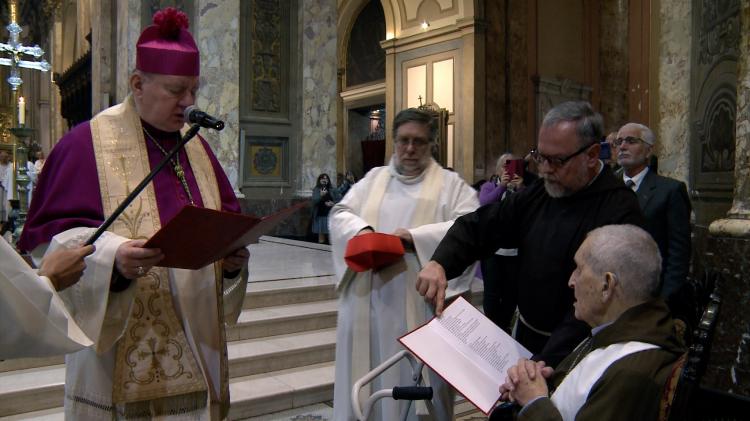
(160,345)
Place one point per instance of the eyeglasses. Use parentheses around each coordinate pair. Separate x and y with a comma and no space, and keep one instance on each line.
(417,142)
(630,140)
(557,162)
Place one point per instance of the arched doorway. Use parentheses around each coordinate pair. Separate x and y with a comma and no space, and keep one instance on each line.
(362,86)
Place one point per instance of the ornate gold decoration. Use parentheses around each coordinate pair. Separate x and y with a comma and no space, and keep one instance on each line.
(6,122)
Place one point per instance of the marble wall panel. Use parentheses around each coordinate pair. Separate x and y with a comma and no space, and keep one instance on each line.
(495,61)
(128,31)
(319,78)
(218,40)
(522,138)
(672,116)
(613,63)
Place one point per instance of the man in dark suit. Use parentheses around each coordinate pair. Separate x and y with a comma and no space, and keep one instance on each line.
(664,202)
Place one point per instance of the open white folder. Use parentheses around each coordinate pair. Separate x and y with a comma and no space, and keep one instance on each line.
(467,350)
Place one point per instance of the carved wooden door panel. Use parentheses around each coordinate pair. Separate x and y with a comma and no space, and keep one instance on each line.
(715,51)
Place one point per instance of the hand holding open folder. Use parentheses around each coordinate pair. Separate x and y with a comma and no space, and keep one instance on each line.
(196,237)
(467,350)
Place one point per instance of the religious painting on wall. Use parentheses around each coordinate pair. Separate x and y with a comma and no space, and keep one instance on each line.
(268,47)
(265,161)
(268,56)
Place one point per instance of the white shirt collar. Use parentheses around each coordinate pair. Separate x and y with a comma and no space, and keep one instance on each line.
(637,179)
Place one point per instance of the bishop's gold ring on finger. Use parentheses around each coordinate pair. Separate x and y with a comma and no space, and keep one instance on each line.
(140,271)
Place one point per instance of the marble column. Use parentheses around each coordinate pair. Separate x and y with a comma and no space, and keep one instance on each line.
(128,31)
(319,78)
(613,63)
(217,35)
(102,52)
(728,248)
(671,119)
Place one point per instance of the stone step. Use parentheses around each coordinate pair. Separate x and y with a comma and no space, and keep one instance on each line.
(273,392)
(52,414)
(42,388)
(265,394)
(251,395)
(465,410)
(24,363)
(252,324)
(289,291)
(259,295)
(33,389)
(280,320)
(263,355)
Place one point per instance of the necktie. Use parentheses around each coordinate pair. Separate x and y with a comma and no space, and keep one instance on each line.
(631,184)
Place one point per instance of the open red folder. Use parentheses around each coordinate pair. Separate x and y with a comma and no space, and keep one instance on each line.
(196,237)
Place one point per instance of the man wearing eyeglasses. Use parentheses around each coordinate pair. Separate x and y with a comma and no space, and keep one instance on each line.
(416,200)
(664,201)
(547,222)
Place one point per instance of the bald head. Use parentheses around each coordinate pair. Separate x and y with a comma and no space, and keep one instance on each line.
(630,254)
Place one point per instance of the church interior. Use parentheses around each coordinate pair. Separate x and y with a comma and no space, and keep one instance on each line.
(308,87)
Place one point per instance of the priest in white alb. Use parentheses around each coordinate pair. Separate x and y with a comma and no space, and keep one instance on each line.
(416,200)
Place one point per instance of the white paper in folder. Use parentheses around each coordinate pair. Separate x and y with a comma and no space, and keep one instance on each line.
(467,350)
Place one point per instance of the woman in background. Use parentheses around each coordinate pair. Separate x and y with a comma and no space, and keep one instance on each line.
(324,196)
(499,271)
(346,184)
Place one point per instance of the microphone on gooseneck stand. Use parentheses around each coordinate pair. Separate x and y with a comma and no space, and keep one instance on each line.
(103,227)
(197,119)
(195,115)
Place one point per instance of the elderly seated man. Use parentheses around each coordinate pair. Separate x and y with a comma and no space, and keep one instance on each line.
(619,372)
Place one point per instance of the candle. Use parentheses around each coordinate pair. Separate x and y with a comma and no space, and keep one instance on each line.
(21,111)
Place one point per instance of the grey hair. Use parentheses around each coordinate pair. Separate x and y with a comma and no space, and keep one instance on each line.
(645,133)
(418,116)
(630,254)
(506,156)
(589,123)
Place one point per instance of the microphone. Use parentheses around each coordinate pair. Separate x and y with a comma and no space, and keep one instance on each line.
(195,115)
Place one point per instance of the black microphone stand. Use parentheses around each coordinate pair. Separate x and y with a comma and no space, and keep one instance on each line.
(192,131)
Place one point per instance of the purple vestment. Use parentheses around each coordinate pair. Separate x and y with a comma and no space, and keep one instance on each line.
(68,196)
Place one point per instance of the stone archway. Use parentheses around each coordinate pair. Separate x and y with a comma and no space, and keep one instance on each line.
(355,98)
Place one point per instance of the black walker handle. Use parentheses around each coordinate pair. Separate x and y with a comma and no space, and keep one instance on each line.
(412,393)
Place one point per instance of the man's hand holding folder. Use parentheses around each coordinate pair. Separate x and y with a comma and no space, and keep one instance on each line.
(197,237)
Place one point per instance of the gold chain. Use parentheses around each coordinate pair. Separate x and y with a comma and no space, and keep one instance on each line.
(178,170)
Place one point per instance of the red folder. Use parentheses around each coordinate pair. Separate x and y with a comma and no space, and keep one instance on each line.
(373,250)
(197,237)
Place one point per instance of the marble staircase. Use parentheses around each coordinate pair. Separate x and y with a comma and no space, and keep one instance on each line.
(281,351)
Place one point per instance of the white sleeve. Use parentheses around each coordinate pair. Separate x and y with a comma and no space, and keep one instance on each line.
(344,222)
(33,319)
(101,314)
(459,199)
